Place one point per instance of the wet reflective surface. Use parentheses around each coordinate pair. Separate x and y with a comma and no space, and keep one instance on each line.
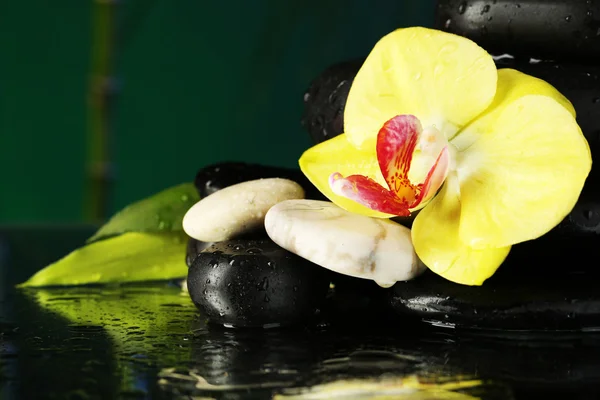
(150,342)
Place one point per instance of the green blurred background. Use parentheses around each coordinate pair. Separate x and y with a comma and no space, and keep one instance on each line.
(194,82)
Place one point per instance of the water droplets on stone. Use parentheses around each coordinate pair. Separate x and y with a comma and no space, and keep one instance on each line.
(264,284)
(462,7)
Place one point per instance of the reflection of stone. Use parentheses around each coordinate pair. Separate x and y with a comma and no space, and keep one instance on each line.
(344,242)
(540,286)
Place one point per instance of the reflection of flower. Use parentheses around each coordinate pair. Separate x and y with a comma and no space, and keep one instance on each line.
(494,157)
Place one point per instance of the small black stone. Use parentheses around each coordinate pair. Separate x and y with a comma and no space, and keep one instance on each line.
(542,29)
(215,177)
(546,284)
(325,100)
(255,283)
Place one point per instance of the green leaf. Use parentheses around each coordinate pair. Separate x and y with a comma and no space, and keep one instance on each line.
(130,257)
(162,212)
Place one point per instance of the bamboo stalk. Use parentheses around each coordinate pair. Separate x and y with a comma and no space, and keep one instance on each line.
(101,89)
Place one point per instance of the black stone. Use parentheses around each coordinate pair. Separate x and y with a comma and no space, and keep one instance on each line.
(255,283)
(564,30)
(195,247)
(549,284)
(325,100)
(215,177)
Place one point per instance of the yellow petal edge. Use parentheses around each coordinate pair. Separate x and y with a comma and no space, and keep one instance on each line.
(443,79)
(526,168)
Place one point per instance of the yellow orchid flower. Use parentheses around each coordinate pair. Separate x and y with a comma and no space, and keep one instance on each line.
(490,157)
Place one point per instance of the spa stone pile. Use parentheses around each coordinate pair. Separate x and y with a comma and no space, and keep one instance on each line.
(267,249)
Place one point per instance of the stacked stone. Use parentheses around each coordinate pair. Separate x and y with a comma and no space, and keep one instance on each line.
(261,234)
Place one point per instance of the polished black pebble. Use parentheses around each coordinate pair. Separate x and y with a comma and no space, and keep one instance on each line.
(325,100)
(562,30)
(255,283)
(218,176)
(549,284)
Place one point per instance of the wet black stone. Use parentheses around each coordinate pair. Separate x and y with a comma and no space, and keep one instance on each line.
(215,177)
(195,247)
(255,283)
(542,29)
(549,284)
(325,100)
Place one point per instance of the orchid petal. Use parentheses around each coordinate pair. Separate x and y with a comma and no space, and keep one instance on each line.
(435,236)
(443,79)
(369,193)
(338,155)
(435,178)
(523,164)
(396,143)
(523,175)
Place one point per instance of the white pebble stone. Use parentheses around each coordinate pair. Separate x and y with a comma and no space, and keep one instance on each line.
(344,242)
(237,209)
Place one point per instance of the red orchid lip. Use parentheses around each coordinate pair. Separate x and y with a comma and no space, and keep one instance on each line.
(396,143)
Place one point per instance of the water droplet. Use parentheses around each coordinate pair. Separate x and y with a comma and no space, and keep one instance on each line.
(267,299)
(568,18)
(208,281)
(264,285)
(221,314)
(462,7)
(184,197)
(162,225)
(448,23)
(213,263)
(254,250)
(596,100)
(238,247)
(205,292)
(489,18)
(270,264)
(485,9)
(295,288)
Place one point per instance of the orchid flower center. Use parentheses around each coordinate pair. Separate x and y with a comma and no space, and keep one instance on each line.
(401,140)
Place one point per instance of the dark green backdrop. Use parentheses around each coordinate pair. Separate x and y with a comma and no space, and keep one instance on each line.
(200,81)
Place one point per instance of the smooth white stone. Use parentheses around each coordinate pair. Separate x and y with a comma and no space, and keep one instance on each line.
(237,209)
(351,244)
